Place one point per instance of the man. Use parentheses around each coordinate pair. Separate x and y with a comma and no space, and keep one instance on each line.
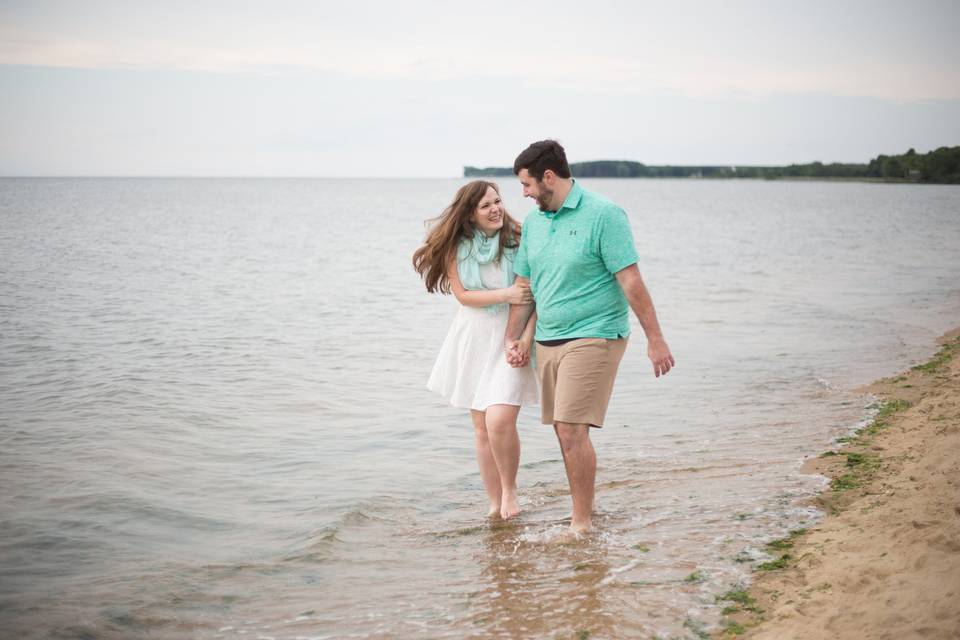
(578,256)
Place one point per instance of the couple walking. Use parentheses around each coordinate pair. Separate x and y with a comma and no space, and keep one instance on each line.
(563,284)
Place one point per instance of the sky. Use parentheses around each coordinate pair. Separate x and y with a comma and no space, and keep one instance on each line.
(420,89)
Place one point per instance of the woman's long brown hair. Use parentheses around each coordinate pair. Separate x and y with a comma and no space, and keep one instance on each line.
(452,226)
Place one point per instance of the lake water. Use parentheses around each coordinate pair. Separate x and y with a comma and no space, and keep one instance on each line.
(213,420)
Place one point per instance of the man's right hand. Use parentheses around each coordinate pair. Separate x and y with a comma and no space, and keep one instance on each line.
(514,353)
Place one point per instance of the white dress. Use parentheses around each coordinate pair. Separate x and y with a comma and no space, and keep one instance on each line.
(471,371)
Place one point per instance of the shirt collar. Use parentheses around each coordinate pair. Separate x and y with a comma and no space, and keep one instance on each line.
(572,201)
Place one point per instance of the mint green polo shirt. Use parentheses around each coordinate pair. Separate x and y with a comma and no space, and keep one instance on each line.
(570,256)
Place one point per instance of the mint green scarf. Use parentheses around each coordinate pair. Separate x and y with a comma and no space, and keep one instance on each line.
(478,250)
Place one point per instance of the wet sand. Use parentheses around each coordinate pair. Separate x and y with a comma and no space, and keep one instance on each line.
(885,561)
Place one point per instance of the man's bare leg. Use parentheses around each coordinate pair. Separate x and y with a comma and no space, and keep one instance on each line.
(581,462)
(501,420)
(488,466)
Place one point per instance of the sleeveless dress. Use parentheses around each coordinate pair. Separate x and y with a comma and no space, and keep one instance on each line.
(471,371)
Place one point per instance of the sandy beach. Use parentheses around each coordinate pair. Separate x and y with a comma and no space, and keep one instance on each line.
(885,560)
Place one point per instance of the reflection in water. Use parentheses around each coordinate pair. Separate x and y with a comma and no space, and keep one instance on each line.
(539,589)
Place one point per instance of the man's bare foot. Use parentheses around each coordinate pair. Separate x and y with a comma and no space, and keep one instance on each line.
(566,536)
(508,505)
(581,528)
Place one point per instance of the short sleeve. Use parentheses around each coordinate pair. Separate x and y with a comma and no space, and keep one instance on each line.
(520,265)
(616,240)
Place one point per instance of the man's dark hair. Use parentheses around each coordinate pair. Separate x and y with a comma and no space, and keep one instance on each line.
(540,156)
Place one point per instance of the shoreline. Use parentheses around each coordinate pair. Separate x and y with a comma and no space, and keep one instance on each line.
(867,180)
(884,562)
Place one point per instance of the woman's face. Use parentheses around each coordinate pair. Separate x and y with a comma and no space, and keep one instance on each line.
(489,214)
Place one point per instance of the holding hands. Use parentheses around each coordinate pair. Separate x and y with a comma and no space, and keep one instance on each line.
(518,352)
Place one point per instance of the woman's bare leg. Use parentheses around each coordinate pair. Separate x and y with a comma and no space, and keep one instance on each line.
(501,421)
(488,466)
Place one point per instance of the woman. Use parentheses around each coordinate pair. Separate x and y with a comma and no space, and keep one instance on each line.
(469,251)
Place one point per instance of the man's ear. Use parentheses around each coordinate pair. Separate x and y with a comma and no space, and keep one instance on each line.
(549,177)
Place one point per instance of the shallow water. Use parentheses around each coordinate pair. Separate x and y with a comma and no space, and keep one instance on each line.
(214,423)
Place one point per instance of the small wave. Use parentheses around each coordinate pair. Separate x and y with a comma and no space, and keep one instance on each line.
(461,532)
(549,534)
(826,384)
(319,544)
(613,573)
(536,464)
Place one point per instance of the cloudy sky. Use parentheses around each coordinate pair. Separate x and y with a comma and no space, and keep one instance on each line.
(288,88)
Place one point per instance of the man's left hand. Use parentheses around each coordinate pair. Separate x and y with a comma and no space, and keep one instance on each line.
(660,356)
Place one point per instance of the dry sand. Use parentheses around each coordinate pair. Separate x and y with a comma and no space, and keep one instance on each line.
(885,561)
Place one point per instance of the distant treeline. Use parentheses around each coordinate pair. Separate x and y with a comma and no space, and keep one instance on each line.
(939,166)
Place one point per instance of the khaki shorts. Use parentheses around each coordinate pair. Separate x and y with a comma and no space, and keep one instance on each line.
(576,379)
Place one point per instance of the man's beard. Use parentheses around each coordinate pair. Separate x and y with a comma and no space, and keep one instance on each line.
(544,199)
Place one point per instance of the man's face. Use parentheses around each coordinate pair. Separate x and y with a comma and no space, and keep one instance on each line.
(536,189)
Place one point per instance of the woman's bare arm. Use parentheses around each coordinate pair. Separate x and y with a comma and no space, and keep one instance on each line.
(519,293)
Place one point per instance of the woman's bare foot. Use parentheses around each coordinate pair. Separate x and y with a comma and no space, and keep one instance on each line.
(508,505)
(494,511)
